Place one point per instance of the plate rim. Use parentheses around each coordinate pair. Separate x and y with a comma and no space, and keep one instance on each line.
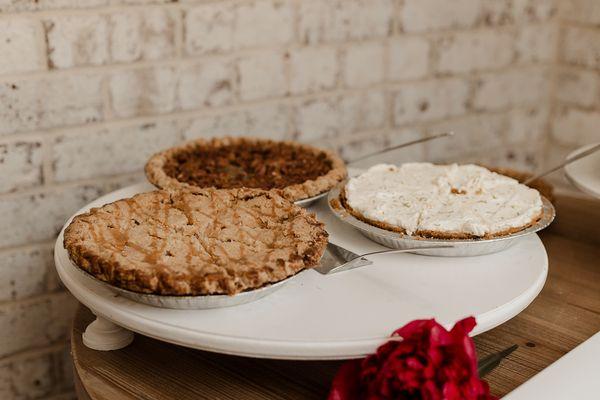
(568,171)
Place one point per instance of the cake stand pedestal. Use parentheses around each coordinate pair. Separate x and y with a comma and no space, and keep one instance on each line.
(104,335)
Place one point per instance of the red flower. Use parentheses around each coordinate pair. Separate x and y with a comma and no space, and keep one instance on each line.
(422,361)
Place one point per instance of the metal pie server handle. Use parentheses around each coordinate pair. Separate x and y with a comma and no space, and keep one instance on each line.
(406,144)
(568,161)
(344,260)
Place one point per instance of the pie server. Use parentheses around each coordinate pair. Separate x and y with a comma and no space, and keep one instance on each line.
(338,259)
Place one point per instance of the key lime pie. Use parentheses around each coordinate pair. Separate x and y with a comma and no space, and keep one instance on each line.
(442,201)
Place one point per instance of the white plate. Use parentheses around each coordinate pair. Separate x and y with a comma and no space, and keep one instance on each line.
(585,173)
(339,316)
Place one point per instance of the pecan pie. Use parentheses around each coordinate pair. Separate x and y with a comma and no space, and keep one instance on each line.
(296,171)
(442,201)
(196,243)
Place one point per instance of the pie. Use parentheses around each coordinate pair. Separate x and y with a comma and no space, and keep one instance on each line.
(441,201)
(196,243)
(296,171)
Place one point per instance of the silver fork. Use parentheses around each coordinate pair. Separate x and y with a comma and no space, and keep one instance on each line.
(338,259)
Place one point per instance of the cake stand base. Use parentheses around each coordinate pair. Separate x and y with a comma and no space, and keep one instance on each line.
(103,335)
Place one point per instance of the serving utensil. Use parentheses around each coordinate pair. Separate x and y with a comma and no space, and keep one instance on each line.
(568,161)
(487,364)
(311,200)
(405,144)
(338,259)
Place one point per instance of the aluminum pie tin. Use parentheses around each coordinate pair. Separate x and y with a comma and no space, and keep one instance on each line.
(310,200)
(461,247)
(204,302)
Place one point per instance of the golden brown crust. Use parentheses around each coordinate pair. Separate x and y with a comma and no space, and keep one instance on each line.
(196,243)
(429,234)
(157,167)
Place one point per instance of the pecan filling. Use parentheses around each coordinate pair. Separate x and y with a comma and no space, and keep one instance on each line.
(252,165)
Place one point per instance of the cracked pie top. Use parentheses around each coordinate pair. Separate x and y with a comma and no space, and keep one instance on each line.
(294,170)
(196,243)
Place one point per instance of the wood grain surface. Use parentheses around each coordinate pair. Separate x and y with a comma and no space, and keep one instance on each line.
(566,313)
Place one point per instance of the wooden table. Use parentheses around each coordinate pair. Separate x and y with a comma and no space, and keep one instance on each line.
(566,313)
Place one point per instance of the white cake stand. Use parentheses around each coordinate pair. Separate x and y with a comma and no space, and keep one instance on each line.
(339,316)
(585,173)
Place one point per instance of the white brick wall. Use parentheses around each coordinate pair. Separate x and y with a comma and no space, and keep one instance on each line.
(89,89)
(262,75)
(313,69)
(473,51)
(20,46)
(430,100)
(409,58)
(22,165)
(50,101)
(339,20)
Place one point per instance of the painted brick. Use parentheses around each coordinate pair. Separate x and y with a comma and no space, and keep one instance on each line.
(409,58)
(579,87)
(79,156)
(519,156)
(495,13)
(363,65)
(205,84)
(529,124)
(395,137)
(421,101)
(20,46)
(534,10)
(516,87)
(77,40)
(20,165)
(429,15)
(26,5)
(312,69)
(363,145)
(49,102)
(339,115)
(262,23)
(536,43)
(472,51)
(358,146)
(576,127)
(141,2)
(582,46)
(322,21)
(143,91)
(35,322)
(268,121)
(209,28)
(30,218)
(261,75)
(586,11)
(27,378)
(472,133)
(25,272)
(144,35)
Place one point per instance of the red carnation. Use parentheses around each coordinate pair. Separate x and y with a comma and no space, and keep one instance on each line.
(422,361)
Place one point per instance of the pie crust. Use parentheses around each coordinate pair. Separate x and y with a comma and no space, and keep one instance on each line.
(196,243)
(296,171)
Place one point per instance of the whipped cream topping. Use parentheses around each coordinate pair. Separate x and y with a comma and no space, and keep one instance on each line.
(449,199)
